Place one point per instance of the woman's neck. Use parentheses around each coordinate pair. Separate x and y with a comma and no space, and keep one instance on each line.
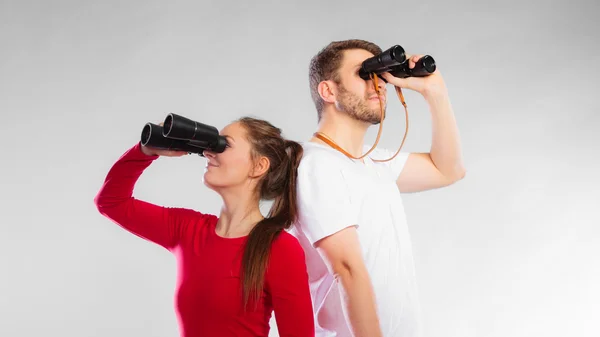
(239,214)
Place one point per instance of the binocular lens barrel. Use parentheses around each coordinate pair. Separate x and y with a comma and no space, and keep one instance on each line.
(393,60)
(183,134)
(389,58)
(152,136)
(179,127)
(424,67)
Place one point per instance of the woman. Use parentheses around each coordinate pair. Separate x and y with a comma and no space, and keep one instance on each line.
(234,270)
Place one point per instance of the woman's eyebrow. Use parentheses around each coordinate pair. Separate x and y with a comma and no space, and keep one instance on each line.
(229,137)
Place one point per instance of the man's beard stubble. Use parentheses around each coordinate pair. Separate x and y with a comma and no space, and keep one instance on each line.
(357,108)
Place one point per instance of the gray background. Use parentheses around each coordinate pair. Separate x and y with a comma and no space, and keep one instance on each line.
(512,250)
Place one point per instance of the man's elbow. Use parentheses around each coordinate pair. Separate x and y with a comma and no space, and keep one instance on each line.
(460,174)
(456,175)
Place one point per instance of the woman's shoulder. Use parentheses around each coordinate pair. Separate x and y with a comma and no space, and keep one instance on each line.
(285,244)
(192,217)
(192,213)
(287,263)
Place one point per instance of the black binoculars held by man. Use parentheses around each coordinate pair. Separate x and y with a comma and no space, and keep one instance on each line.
(182,134)
(394,61)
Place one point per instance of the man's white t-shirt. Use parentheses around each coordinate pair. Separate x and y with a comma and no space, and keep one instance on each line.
(334,192)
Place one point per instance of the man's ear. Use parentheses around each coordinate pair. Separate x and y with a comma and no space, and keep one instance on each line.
(260,167)
(327,91)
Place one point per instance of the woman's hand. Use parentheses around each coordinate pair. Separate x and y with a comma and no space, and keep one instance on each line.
(152,151)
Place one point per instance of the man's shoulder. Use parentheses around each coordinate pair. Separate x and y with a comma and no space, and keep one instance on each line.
(322,168)
(381,152)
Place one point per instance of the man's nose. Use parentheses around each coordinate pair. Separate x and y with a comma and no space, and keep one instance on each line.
(380,84)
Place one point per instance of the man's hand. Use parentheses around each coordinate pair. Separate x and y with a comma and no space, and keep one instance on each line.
(428,86)
(443,165)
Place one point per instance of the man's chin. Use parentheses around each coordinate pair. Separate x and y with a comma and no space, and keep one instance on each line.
(371,118)
(375,121)
(371,121)
(375,117)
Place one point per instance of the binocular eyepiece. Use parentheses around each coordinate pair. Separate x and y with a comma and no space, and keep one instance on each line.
(394,61)
(182,134)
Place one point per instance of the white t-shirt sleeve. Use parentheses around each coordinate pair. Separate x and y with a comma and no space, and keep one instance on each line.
(396,165)
(323,196)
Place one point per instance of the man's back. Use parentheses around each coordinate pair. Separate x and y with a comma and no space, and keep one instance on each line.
(335,192)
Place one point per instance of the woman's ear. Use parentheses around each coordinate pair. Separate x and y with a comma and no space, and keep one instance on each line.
(327,91)
(260,167)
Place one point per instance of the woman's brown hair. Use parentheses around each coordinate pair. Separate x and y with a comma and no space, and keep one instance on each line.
(279,185)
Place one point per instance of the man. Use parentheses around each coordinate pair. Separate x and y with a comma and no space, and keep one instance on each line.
(352,223)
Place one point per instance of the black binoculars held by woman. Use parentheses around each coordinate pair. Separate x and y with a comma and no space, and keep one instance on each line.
(394,61)
(182,134)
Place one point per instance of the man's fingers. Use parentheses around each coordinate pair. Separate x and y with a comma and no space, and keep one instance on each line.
(412,60)
(396,81)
